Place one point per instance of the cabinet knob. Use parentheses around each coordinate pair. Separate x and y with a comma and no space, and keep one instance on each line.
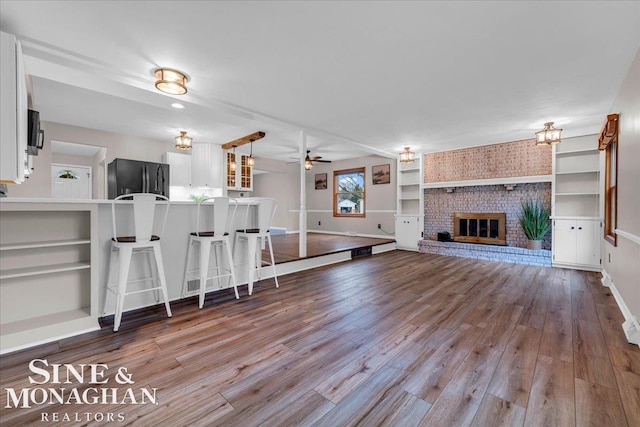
(573,228)
(579,228)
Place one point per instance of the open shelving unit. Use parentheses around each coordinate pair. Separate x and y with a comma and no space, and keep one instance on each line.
(577,203)
(47,272)
(410,204)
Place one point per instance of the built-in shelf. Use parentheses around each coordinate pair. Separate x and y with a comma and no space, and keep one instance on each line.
(578,194)
(576,152)
(42,269)
(43,321)
(577,171)
(45,244)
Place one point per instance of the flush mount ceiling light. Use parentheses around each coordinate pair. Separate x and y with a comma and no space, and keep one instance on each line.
(407,156)
(177,106)
(549,135)
(183,141)
(251,161)
(171,81)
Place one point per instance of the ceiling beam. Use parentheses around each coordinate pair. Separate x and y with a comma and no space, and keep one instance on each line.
(244,140)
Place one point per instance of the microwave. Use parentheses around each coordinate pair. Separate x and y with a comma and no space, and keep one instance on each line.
(35,135)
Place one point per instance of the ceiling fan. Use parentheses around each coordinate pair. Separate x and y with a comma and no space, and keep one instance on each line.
(309,161)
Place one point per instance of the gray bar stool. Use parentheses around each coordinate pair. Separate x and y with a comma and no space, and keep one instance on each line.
(224,210)
(141,242)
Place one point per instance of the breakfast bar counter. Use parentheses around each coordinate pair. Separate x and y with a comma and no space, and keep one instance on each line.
(54,260)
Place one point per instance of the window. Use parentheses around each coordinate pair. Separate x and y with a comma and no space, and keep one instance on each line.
(348,193)
(608,141)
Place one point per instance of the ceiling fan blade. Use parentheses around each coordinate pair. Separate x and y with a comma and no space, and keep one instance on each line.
(323,161)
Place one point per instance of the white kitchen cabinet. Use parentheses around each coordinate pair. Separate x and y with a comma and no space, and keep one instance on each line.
(179,169)
(240,179)
(13,111)
(577,243)
(206,165)
(409,230)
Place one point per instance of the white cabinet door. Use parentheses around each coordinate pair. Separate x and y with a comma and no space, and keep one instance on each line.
(206,164)
(179,169)
(408,231)
(564,240)
(588,242)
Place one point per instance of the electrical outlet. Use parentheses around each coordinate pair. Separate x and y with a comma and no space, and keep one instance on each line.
(319,223)
(379,226)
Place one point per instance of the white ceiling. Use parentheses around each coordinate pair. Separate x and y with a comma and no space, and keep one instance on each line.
(358,77)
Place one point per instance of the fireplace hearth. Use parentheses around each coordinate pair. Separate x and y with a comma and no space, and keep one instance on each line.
(485,228)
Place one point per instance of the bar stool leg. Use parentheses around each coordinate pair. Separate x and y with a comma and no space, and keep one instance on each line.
(161,276)
(125,261)
(109,278)
(273,263)
(227,244)
(252,243)
(186,266)
(205,251)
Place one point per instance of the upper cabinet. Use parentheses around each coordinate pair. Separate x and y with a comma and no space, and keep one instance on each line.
(13,111)
(180,169)
(240,177)
(206,165)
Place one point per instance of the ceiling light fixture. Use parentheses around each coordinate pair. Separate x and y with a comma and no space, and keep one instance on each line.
(251,161)
(232,163)
(183,141)
(177,105)
(308,164)
(549,135)
(407,156)
(171,81)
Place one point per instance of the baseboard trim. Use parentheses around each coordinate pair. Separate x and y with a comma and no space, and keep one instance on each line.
(630,326)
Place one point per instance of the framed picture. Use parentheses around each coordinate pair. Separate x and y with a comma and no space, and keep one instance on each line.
(321,181)
(381,174)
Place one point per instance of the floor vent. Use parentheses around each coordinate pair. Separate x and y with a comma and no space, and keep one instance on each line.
(193,285)
(366,251)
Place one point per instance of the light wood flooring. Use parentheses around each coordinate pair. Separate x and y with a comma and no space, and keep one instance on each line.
(396,339)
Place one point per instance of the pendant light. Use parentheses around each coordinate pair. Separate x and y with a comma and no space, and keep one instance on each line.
(251,161)
(183,142)
(232,163)
(549,135)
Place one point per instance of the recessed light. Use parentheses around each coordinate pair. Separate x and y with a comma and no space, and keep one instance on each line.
(177,105)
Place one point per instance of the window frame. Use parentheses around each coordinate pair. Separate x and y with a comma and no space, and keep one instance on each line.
(608,142)
(336,175)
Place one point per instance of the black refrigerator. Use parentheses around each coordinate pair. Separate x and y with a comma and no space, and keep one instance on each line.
(134,176)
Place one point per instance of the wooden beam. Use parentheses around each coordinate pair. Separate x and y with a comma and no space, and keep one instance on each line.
(244,140)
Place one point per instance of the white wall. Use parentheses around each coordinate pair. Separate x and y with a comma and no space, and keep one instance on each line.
(117,145)
(280,181)
(621,263)
(380,200)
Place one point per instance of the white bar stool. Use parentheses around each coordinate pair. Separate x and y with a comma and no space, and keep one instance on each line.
(265,211)
(224,210)
(142,242)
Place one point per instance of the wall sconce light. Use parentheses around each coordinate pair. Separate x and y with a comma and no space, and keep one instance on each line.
(251,161)
(171,81)
(549,135)
(407,156)
(232,164)
(183,141)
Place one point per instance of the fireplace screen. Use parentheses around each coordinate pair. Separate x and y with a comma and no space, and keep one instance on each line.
(489,228)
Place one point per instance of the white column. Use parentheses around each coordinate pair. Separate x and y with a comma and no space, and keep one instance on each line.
(302,237)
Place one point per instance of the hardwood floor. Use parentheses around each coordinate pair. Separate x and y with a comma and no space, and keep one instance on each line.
(397,339)
(285,246)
